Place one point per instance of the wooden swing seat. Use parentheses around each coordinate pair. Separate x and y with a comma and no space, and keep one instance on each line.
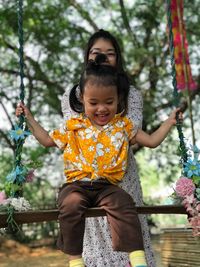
(52,215)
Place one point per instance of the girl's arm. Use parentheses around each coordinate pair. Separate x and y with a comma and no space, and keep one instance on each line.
(155,139)
(37,130)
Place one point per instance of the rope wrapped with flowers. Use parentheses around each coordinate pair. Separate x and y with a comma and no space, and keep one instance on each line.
(11,199)
(187,188)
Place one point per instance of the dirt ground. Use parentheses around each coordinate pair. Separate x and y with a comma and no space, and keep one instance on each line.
(14,254)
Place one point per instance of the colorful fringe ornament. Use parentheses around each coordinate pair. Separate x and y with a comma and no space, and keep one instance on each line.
(182,65)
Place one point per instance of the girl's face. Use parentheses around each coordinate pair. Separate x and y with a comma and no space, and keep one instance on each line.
(100,103)
(105,47)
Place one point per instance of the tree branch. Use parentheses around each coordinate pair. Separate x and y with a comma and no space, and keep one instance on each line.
(5,137)
(84,14)
(126,22)
(6,112)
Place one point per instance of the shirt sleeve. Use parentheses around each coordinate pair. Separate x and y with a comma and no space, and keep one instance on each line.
(60,136)
(135,107)
(130,128)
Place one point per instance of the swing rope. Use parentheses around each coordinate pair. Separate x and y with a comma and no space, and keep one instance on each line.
(19,132)
(176,96)
(21,124)
(21,51)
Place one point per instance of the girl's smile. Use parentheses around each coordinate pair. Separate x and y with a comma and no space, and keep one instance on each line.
(100,103)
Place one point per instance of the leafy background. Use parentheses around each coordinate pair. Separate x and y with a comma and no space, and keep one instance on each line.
(55,35)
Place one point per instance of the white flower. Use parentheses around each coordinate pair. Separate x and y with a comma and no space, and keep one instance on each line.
(91,148)
(99,149)
(20,204)
(69,150)
(89,133)
(117,139)
(120,124)
(82,133)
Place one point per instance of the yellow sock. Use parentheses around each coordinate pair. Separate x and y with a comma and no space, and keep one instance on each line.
(76,263)
(137,259)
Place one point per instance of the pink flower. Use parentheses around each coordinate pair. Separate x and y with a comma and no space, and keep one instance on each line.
(29,177)
(184,187)
(2,197)
(195,224)
(198,207)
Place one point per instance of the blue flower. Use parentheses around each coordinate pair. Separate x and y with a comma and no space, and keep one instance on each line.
(192,168)
(17,175)
(18,133)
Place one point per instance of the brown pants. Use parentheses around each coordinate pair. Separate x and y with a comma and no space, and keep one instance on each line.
(75,198)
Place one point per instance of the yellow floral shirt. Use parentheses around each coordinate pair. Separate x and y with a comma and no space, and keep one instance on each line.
(94,153)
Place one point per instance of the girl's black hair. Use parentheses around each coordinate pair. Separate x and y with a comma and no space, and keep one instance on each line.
(105,75)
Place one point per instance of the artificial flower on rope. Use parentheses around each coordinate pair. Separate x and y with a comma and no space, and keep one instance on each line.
(182,65)
(18,133)
(11,199)
(17,176)
(10,205)
(187,189)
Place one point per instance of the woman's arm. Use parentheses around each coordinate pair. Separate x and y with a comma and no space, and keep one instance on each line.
(37,130)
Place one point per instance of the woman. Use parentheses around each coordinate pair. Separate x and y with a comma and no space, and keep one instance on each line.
(97,241)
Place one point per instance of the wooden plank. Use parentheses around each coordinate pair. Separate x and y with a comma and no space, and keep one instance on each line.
(161,209)
(51,215)
(180,248)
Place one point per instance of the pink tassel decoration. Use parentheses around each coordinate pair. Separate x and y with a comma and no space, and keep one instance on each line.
(183,70)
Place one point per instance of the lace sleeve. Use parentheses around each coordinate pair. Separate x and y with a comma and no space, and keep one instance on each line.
(66,109)
(135,107)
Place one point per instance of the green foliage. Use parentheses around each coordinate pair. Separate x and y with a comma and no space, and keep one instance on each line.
(5,166)
(55,35)
(40,194)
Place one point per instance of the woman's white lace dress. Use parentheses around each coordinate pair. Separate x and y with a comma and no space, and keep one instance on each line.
(97,250)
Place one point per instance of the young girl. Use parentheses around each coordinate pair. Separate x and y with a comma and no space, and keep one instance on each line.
(95,145)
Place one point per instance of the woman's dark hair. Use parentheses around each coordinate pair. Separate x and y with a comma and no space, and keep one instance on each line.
(109,37)
(105,75)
